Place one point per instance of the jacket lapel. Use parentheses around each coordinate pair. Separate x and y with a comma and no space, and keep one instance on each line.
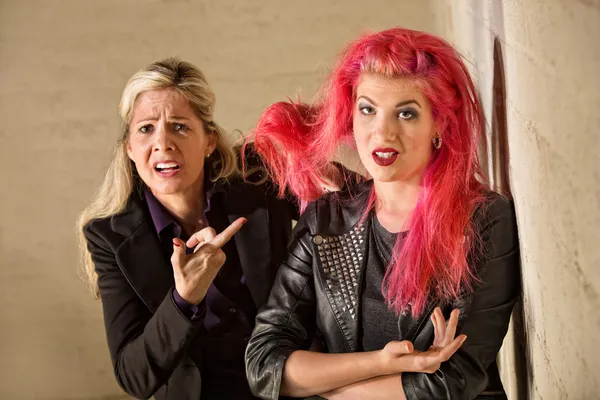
(141,259)
(140,256)
(341,253)
(342,262)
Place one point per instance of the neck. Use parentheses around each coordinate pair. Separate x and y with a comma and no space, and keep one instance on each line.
(187,206)
(395,202)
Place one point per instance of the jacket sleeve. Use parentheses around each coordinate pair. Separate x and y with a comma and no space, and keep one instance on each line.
(484,315)
(287,321)
(145,348)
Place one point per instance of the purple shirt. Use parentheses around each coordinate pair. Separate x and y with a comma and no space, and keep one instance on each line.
(166,226)
(228,310)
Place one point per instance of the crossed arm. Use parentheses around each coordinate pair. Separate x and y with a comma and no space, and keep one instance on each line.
(365,375)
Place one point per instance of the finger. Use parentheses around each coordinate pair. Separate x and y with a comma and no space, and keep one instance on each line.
(407,346)
(451,327)
(441,320)
(178,257)
(198,246)
(439,327)
(398,348)
(437,336)
(225,236)
(206,258)
(450,349)
(202,236)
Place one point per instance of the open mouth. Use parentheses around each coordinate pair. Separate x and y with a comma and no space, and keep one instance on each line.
(167,168)
(385,157)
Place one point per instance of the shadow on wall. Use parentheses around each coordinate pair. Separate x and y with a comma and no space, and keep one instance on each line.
(501,184)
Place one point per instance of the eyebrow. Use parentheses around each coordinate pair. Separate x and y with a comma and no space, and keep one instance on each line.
(154,118)
(402,103)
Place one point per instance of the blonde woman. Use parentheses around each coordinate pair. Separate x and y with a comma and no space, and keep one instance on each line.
(178,320)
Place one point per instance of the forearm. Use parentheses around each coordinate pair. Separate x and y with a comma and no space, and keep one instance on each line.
(379,388)
(308,373)
(145,363)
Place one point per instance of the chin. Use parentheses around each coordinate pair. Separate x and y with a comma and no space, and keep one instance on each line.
(166,188)
(394,173)
(384,174)
(386,178)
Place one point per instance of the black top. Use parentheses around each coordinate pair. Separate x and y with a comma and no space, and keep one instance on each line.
(379,324)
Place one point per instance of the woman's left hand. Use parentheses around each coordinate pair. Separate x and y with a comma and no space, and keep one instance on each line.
(402,357)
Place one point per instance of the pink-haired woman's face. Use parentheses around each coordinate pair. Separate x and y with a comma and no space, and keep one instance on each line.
(393,128)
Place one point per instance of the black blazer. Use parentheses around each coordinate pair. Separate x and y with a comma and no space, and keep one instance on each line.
(154,348)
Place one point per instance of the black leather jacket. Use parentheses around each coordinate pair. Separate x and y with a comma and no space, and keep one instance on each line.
(317,292)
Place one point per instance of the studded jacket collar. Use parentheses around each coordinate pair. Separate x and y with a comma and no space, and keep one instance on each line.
(338,228)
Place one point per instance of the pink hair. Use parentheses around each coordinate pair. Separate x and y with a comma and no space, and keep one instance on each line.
(297,142)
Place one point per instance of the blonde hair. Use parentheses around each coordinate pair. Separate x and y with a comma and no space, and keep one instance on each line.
(119,182)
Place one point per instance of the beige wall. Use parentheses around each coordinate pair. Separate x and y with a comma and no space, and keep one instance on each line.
(62,66)
(551,53)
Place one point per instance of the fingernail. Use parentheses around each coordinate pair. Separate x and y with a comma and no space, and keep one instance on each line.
(245,220)
(176,244)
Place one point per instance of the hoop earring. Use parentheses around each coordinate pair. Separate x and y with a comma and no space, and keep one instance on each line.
(437,141)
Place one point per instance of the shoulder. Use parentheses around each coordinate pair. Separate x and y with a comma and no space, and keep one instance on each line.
(255,186)
(114,229)
(253,177)
(496,204)
(240,189)
(336,213)
(97,227)
(495,209)
(496,222)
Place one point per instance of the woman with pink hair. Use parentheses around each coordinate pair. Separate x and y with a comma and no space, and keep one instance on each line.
(381,277)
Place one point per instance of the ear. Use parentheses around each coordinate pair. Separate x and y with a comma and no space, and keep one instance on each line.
(439,127)
(212,143)
(349,140)
(129,151)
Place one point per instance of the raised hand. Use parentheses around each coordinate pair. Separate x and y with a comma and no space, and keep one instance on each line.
(195,273)
(399,356)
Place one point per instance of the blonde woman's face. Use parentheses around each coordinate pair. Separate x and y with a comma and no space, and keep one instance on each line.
(168,143)
(393,128)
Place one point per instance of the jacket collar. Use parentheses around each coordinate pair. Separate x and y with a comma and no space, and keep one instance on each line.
(139,256)
(338,212)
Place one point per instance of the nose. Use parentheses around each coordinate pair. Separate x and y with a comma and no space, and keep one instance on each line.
(386,128)
(163,140)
